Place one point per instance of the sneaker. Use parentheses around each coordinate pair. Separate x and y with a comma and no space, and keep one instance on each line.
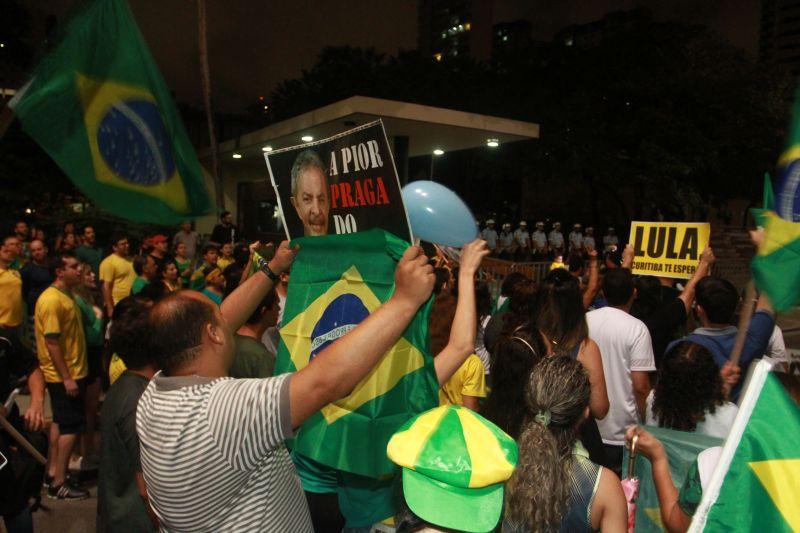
(48,480)
(67,492)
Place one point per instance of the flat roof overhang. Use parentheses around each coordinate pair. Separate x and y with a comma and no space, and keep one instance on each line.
(427,128)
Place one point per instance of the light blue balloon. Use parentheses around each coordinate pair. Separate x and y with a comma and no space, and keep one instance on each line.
(438,215)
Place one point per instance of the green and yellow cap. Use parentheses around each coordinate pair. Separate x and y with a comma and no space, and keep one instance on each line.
(455,463)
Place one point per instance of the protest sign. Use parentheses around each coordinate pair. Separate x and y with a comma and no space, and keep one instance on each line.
(668,249)
(343,184)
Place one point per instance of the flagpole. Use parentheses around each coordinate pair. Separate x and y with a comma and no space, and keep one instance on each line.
(205,78)
(744,322)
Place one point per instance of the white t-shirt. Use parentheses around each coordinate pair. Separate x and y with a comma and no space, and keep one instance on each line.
(625,346)
(717,424)
(776,348)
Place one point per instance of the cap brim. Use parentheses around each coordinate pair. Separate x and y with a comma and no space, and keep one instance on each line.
(472,510)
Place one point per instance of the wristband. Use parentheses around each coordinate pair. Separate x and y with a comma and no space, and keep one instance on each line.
(264,267)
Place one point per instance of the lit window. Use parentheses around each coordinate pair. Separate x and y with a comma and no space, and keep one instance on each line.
(437,56)
(237,156)
(505,38)
(467,26)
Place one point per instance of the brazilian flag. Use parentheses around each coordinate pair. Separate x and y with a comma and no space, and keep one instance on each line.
(100,108)
(337,281)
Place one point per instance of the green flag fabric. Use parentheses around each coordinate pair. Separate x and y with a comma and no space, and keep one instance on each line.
(756,485)
(100,108)
(337,281)
(682,448)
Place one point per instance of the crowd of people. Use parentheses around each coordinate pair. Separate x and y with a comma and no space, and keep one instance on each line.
(541,388)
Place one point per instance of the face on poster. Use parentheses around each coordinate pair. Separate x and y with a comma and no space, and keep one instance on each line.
(343,184)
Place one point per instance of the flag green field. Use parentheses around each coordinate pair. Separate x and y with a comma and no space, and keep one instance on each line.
(100,108)
(336,282)
(756,485)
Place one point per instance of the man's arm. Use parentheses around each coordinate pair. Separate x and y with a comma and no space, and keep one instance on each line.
(34,416)
(241,303)
(462,333)
(142,486)
(338,369)
(707,259)
(57,356)
(627,256)
(108,300)
(641,389)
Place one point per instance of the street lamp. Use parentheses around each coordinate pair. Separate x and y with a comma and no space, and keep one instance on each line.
(437,152)
(237,155)
(306,138)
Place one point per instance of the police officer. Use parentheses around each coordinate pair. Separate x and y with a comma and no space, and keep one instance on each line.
(490,236)
(588,239)
(539,243)
(610,240)
(506,242)
(556,239)
(576,239)
(522,242)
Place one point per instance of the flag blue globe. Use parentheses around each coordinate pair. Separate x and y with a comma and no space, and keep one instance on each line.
(343,314)
(787,200)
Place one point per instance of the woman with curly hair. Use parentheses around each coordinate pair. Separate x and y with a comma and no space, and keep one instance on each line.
(692,393)
(555,486)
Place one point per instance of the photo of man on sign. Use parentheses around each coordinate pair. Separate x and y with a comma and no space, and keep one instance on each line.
(346,183)
(668,249)
(310,193)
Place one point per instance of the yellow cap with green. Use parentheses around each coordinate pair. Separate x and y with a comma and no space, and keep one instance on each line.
(455,463)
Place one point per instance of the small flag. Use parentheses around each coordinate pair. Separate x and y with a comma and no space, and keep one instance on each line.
(682,448)
(100,108)
(756,485)
(337,281)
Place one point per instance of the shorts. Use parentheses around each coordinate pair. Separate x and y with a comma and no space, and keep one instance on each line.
(69,413)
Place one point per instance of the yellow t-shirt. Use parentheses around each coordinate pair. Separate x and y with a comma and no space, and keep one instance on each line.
(119,271)
(468,380)
(222,263)
(58,314)
(10,298)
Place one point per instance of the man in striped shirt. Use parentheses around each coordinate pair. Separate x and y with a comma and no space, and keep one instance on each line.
(212,447)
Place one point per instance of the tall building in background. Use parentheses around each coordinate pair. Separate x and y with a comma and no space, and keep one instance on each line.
(455,28)
(780,33)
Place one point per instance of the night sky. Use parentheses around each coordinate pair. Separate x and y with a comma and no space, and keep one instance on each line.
(254,44)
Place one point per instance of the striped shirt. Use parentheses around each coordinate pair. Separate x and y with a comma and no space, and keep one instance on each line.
(213,455)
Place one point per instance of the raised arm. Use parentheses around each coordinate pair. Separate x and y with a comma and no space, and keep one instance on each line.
(594,280)
(627,256)
(672,515)
(338,369)
(707,259)
(465,322)
(241,303)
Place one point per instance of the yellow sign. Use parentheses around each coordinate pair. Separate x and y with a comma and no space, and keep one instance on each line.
(668,249)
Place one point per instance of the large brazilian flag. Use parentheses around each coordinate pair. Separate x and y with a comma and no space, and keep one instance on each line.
(337,281)
(100,108)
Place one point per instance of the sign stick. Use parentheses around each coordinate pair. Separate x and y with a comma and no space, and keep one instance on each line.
(744,322)
(22,440)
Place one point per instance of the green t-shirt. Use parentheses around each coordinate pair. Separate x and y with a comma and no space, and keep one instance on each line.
(138,285)
(92,326)
(252,359)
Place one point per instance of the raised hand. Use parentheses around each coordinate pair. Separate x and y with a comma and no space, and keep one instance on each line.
(284,256)
(471,256)
(413,278)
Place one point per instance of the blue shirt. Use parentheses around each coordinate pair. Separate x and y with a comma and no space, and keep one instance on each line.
(719,341)
(216,298)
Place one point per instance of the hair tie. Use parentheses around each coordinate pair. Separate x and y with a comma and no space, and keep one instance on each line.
(523,341)
(543,417)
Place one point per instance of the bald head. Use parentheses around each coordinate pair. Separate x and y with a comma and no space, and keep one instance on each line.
(177,328)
